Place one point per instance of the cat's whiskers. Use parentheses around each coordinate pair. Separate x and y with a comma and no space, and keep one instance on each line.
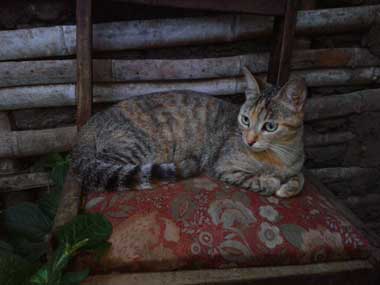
(285,153)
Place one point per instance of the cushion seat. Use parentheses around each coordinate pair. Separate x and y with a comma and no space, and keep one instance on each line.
(204,223)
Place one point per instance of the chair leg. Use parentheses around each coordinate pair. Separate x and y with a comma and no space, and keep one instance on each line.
(70,200)
(283,37)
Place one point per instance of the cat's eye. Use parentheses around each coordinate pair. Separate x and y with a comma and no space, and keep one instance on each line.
(270,126)
(244,120)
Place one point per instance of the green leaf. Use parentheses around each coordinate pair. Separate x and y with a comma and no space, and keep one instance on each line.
(26,219)
(57,164)
(41,276)
(100,249)
(60,260)
(58,173)
(93,227)
(71,278)
(15,270)
(293,234)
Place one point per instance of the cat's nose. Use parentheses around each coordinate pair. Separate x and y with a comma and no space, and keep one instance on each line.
(251,138)
(251,142)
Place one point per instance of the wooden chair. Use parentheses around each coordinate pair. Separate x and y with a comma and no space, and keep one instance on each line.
(348,272)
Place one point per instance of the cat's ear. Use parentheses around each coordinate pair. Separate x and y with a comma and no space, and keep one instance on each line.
(294,94)
(252,89)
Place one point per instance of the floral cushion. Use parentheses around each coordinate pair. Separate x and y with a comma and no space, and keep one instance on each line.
(204,223)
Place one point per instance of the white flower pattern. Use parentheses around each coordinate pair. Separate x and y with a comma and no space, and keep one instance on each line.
(230,213)
(269,213)
(270,235)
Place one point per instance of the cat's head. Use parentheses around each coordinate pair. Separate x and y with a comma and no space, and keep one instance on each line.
(272,117)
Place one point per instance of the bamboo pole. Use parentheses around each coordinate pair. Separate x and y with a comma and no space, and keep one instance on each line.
(64,94)
(30,143)
(60,40)
(316,108)
(38,142)
(24,181)
(328,139)
(337,174)
(342,105)
(115,70)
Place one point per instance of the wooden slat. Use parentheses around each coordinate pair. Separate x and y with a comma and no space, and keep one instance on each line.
(84,61)
(6,165)
(269,275)
(284,30)
(261,7)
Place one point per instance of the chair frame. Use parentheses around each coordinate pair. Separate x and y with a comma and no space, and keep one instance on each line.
(349,272)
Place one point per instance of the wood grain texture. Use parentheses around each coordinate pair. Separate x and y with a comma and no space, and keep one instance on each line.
(282,44)
(84,61)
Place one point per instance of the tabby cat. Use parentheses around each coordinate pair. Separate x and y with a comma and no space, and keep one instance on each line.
(257,146)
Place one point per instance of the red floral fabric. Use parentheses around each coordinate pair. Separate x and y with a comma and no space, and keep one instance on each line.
(204,223)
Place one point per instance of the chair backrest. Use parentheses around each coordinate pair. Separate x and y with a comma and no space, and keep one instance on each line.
(285,12)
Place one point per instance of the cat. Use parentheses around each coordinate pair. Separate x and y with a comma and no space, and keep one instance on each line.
(257,146)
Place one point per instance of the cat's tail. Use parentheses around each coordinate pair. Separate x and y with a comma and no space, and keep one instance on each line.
(101,174)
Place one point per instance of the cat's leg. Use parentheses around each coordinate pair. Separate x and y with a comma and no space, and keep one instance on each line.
(269,185)
(292,187)
(262,184)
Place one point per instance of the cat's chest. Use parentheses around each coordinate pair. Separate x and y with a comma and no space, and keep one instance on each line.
(263,163)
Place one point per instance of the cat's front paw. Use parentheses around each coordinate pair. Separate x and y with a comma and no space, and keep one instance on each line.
(291,188)
(269,185)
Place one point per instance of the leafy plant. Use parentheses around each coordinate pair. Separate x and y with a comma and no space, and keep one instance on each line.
(14,270)
(28,225)
(85,232)
(57,164)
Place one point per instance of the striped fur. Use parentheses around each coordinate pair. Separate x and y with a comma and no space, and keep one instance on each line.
(181,134)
